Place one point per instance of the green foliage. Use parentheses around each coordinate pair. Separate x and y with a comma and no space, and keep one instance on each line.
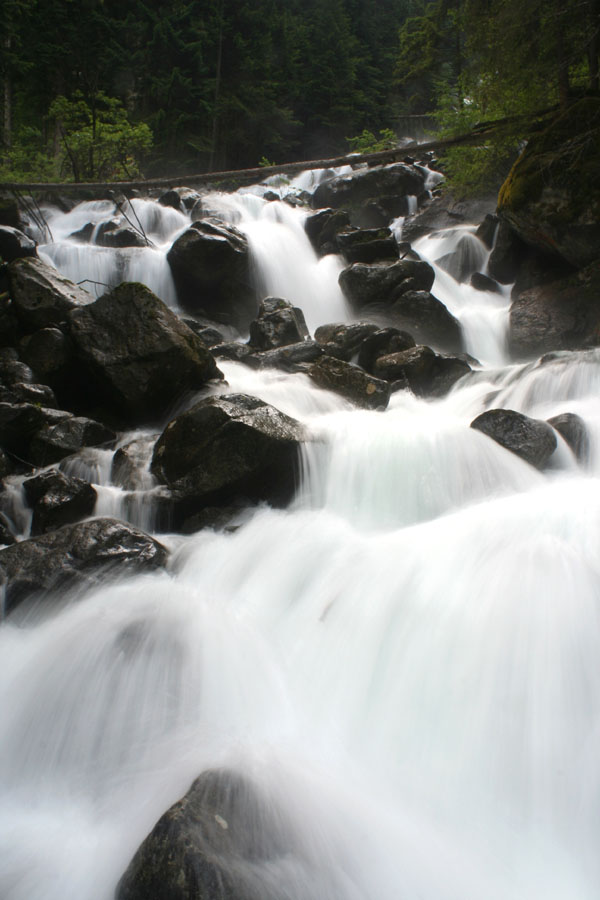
(366,142)
(98,141)
(265,163)
(27,159)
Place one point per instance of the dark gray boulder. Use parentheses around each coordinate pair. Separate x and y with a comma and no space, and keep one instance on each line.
(7,536)
(482,282)
(367,245)
(323,226)
(131,461)
(227,447)
(57,500)
(78,555)
(468,256)
(355,189)
(531,439)
(14,244)
(343,340)
(210,263)
(428,320)
(426,373)
(233,350)
(381,343)
(486,231)
(382,284)
(278,323)
(51,355)
(224,840)
(56,440)
(121,235)
(40,296)
(507,256)
(139,355)
(25,392)
(572,429)
(20,422)
(350,382)
(293,358)
(561,315)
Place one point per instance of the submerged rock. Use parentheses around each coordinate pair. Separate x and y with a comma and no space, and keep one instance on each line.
(138,355)
(572,429)
(278,324)
(531,439)
(227,447)
(351,383)
(76,556)
(222,841)
(57,499)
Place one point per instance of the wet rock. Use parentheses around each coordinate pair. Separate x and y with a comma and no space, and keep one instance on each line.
(182,199)
(508,255)
(486,232)
(367,245)
(322,228)
(382,284)
(6,465)
(130,464)
(428,320)
(363,185)
(233,350)
(227,447)
(572,429)
(7,536)
(468,256)
(561,315)
(293,358)
(25,392)
(51,355)
(551,197)
(219,841)
(278,324)
(54,441)
(350,382)
(78,555)
(209,336)
(40,296)
(120,235)
(211,268)
(483,282)
(20,422)
(14,244)
(531,439)
(447,212)
(380,343)
(139,355)
(12,369)
(343,340)
(84,234)
(57,500)
(426,373)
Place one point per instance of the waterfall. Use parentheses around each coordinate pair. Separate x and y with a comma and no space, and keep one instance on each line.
(406,659)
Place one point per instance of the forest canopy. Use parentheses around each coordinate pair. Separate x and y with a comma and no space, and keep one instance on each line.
(100,88)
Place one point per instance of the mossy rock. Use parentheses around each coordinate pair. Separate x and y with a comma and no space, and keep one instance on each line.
(551,197)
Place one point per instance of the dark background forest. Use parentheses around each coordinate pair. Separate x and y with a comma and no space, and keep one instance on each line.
(111,88)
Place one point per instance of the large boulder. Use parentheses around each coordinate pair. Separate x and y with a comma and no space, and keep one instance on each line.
(139,355)
(353,190)
(226,447)
(380,343)
(367,245)
(365,284)
(76,556)
(531,439)
(343,340)
(56,440)
(561,315)
(426,373)
(211,267)
(322,228)
(350,382)
(224,840)
(57,499)
(40,296)
(21,422)
(278,324)
(551,197)
(291,358)
(14,244)
(573,431)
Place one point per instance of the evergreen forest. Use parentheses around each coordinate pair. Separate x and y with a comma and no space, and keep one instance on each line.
(100,89)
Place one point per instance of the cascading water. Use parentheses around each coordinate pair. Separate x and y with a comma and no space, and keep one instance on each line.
(406,659)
